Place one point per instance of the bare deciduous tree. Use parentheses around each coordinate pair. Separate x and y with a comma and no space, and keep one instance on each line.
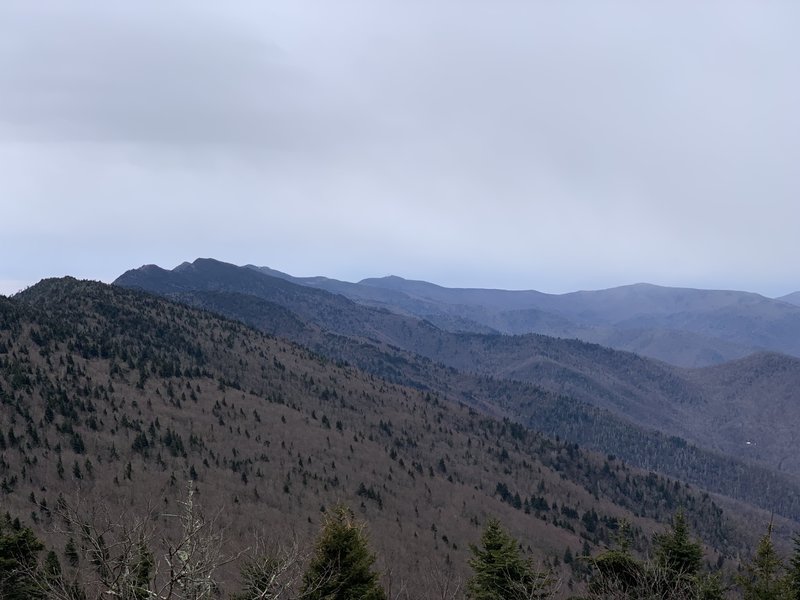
(272,572)
(123,558)
(652,582)
(443,584)
(191,558)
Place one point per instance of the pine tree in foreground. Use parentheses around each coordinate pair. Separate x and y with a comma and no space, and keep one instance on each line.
(500,572)
(676,574)
(19,550)
(617,574)
(676,551)
(793,580)
(764,576)
(341,566)
(682,559)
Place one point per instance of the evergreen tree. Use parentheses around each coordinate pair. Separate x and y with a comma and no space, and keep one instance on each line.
(141,573)
(341,567)
(763,577)
(682,558)
(71,552)
(675,573)
(616,571)
(709,587)
(500,572)
(676,552)
(52,567)
(51,578)
(793,579)
(19,550)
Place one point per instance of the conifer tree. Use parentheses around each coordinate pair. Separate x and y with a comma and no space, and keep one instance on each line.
(141,572)
(71,552)
(676,552)
(793,579)
(500,572)
(674,575)
(682,559)
(52,567)
(763,577)
(19,550)
(616,569)
(341,567)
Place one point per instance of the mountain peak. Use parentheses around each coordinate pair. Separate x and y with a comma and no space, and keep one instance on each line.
(384,279)
(793,298)
(184,266)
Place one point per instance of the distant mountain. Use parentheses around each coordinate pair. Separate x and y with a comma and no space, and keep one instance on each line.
(648,392)
(681,326)
(793,298)
(699,406)
(333,312)
(753,403)
(117,398)
(553,413)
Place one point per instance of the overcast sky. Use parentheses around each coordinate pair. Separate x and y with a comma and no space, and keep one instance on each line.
(546,145)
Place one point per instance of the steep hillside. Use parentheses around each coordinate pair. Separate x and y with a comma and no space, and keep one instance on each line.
(753,403)
(567,380)
(115,397)
(676,347)
(332,312)
(647,393)
(552,413)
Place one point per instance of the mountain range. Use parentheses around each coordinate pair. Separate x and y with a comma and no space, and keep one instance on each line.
(279,398)
(682,326)
(744,411)
(118,397)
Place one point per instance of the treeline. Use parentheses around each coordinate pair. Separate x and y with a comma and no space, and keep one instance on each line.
(133,559)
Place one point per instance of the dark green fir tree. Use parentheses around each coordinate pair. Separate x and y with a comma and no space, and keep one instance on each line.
(19,551)
(341,567)
(500,572)
(764,576)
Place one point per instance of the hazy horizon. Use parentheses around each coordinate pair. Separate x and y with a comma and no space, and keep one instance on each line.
(9,288)
(514,145)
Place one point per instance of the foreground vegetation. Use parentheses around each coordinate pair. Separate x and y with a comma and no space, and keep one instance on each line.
(126,558)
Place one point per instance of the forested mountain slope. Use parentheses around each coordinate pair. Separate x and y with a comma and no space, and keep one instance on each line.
(648,393)
(554,414)
(113,396)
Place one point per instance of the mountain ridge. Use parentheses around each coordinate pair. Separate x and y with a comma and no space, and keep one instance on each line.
(645,392)
(687,327)
(131,391)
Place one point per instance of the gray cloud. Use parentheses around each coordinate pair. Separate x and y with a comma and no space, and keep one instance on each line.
(554,146)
